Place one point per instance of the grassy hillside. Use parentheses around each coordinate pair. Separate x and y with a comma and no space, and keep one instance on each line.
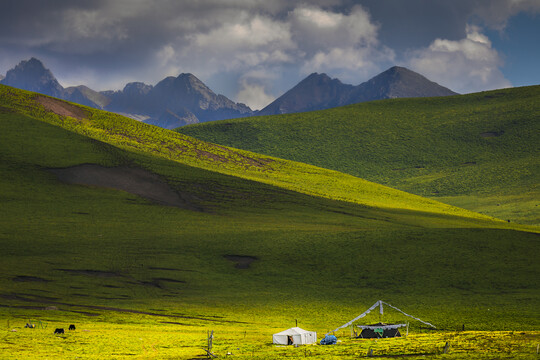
(140,137)
(146,280)
(478,151)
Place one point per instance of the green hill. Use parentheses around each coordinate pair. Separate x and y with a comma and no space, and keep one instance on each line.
(251,243)
(479,151)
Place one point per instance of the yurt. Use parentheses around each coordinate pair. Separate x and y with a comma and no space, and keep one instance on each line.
(294,336)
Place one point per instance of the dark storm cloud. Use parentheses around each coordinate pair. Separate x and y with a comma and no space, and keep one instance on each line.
(265,45)
(415,23)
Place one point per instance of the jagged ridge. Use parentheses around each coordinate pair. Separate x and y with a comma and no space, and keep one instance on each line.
(319,91)
(173,102)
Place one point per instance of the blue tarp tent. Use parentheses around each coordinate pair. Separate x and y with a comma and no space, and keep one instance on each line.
(329,340)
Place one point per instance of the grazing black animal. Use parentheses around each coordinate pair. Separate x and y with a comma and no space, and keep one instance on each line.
(59,331)
(71,327)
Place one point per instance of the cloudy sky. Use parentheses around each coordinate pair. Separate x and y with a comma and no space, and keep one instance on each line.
(254,50)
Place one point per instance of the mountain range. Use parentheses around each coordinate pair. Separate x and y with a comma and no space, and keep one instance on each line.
(171,103)
(177,101)
(319,91)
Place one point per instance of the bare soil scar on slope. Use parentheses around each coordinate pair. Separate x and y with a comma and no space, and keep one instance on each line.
(62,108)
(132,180)
(242,261)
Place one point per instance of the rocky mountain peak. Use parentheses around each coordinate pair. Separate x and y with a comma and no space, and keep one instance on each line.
(33,76)
(137,88)
(399,82)
(191,84)
(315,92)
(319,91)
(316,77)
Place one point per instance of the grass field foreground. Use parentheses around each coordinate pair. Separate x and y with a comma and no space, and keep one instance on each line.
(143,280)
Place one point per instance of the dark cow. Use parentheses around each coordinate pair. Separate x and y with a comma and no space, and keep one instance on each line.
(71,327)
(59,331)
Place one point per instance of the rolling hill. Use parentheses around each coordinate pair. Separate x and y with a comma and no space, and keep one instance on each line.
(134,135)
(212,237)
(478,151)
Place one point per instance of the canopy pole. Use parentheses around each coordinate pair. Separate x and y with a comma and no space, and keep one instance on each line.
(423,322)
(356,318)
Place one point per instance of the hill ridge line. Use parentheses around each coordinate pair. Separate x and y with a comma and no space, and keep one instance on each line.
(130,134)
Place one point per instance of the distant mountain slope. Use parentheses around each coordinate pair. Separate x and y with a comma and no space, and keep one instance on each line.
(479,151)
(397,82)
(318,91)
(33,76)
(85,96)
(173,102)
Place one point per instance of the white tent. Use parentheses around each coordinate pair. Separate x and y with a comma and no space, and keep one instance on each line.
(297,335)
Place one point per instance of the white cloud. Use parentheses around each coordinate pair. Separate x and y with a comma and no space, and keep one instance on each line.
(344,45)
(309,37)
(249,33)
(250,41)
(466,65)
(243,42)
(166,55)
(316,29)
(349,64)
(254,95)
(92,24)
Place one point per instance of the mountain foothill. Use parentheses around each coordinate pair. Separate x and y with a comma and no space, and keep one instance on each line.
(177,101)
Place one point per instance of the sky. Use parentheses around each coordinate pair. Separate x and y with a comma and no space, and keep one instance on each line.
(252,51)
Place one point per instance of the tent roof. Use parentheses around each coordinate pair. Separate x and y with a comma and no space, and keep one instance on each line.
(378,304)
(293,331)
(381,326)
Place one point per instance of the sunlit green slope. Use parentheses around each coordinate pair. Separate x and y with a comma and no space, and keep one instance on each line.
(315,258)
(129,134)
(479,151)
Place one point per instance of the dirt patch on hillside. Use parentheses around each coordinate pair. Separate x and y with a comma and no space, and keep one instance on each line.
(62,108)
(98,273)
(491,134)
(242,261)
(169,269)
(24,278)
(132,180)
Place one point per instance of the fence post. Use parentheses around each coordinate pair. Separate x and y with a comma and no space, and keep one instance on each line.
(446,348)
